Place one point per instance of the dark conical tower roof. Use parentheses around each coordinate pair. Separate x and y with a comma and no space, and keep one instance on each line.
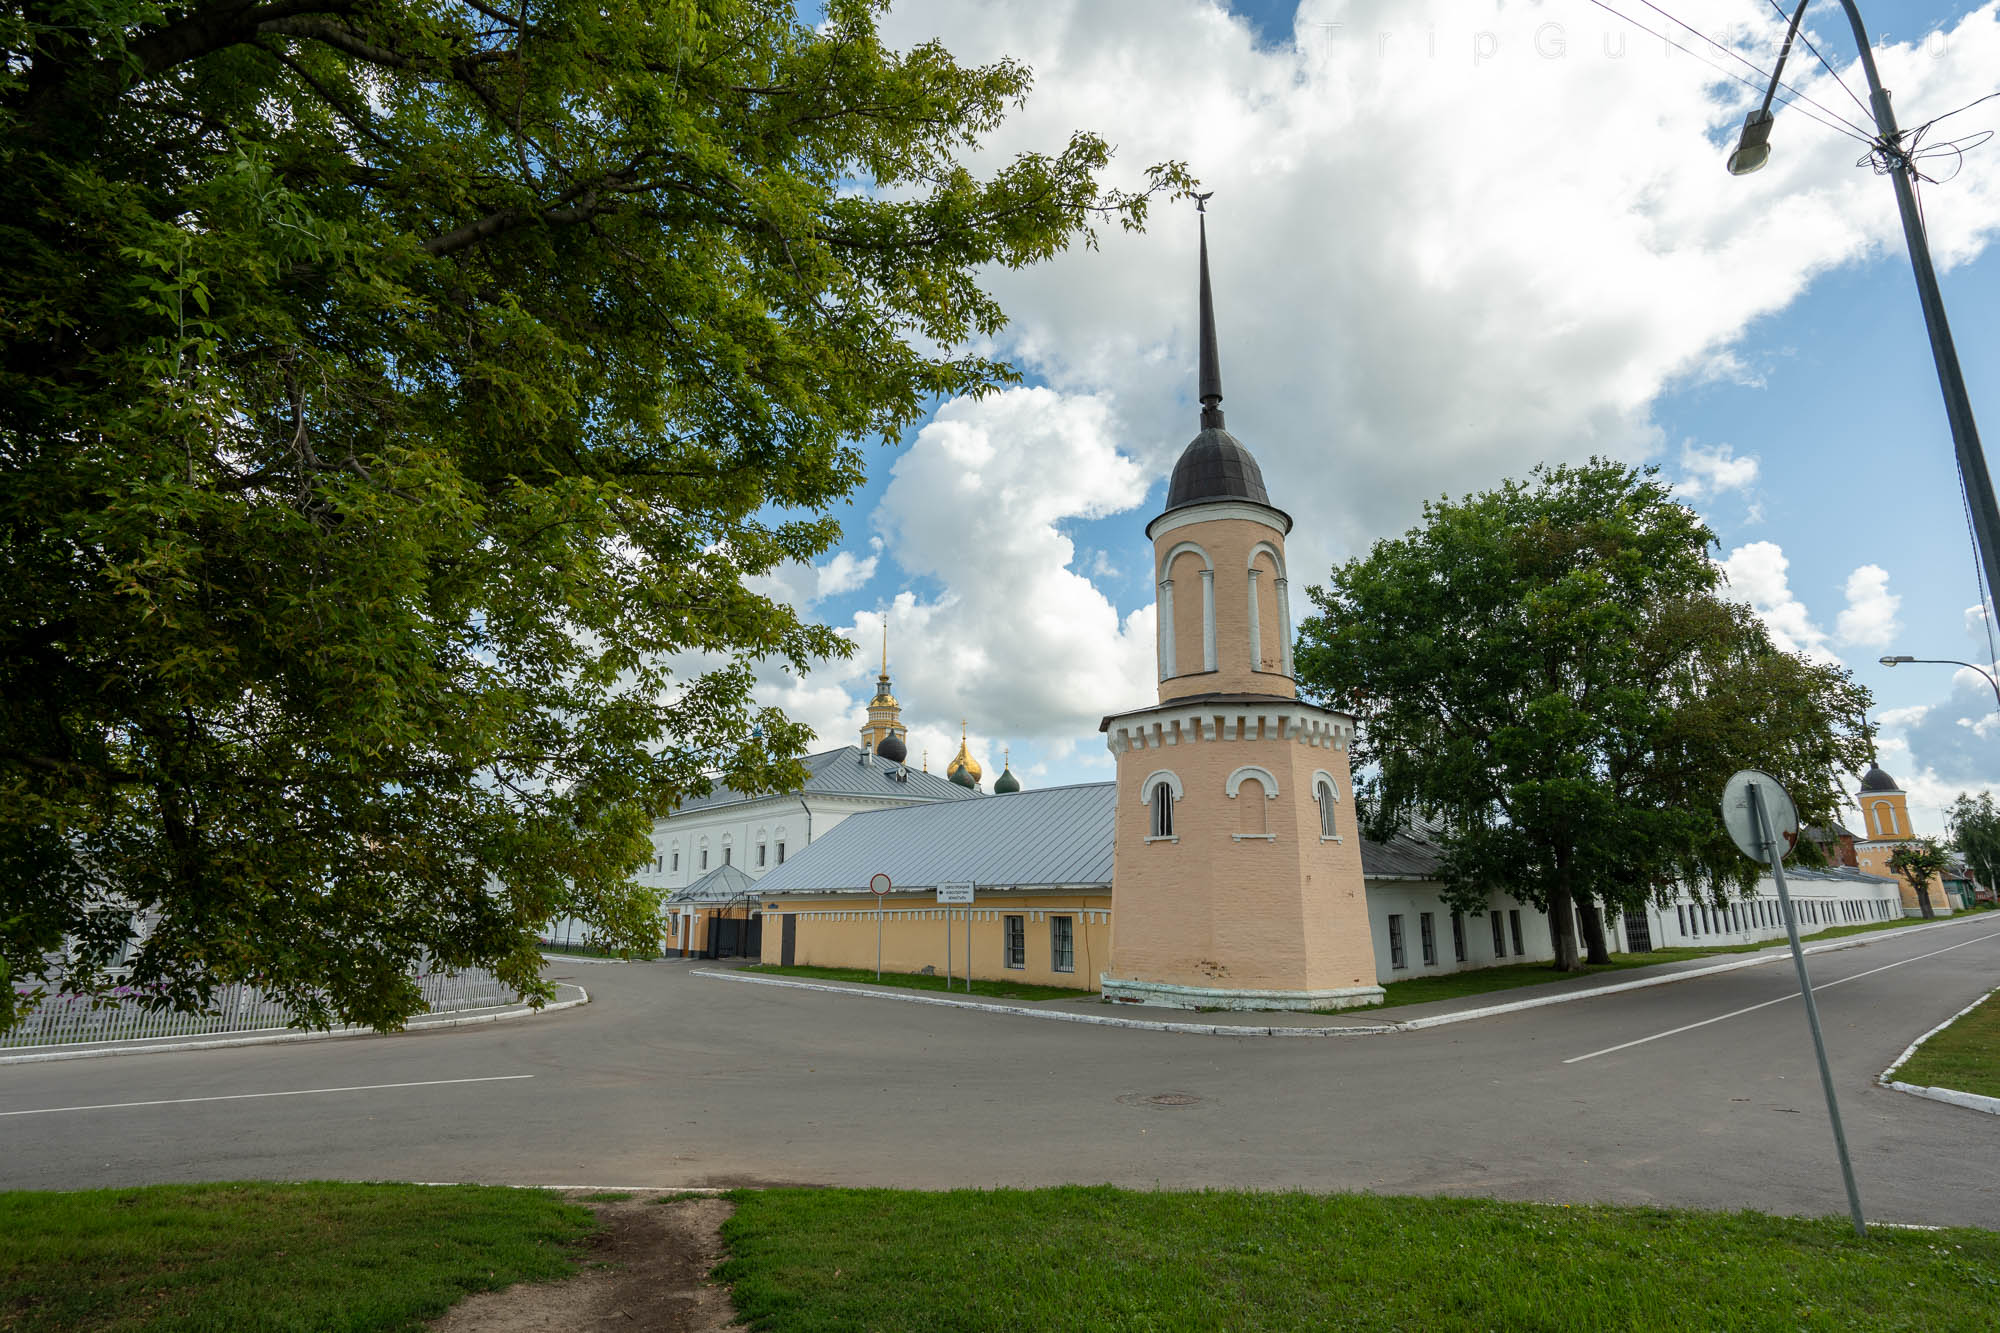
(1215,465)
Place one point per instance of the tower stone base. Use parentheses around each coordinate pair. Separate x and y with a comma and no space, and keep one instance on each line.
(1241,899)
(1212,997)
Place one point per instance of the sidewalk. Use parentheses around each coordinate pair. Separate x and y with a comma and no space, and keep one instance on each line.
(1341,1023)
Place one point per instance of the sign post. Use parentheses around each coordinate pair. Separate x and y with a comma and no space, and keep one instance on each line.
(1761,818)
(879,886)
(949,896)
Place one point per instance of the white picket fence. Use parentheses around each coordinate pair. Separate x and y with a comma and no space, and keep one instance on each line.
(66,1020)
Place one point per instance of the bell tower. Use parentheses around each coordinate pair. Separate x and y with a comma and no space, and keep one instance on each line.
(1236,877)
(884,733)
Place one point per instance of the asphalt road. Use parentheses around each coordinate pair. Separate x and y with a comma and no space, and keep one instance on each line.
(672,1079)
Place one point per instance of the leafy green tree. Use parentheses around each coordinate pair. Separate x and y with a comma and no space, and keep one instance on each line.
(1550,672)
(1974,822)
(389,393)
(1920,862)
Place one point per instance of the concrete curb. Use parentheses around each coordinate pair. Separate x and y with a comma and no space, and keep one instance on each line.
(1057,1015)
(1971,1101)
(1368,1030)
(281,1036)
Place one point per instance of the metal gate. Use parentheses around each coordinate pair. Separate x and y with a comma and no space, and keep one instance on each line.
(1638,932)
(733,937)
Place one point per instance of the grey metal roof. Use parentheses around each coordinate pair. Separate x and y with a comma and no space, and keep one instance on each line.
(840,772)
(1844,874)
(1402,857)
(723,884)
(1052,836)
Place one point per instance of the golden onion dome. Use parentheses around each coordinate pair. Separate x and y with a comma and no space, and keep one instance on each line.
(963,769)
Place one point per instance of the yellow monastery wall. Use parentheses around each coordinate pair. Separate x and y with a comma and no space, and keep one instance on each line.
(1228,543)
(840,932)
(1214,909)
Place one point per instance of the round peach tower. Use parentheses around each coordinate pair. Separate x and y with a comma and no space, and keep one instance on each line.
(1237,868)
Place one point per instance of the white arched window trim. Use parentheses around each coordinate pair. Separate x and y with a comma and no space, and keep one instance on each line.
(1324,788)
(1168,666)
(1262,775)
(1259,819)
(1158,819)
(1282,588)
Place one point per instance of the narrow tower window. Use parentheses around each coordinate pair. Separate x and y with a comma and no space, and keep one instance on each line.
(1163,810)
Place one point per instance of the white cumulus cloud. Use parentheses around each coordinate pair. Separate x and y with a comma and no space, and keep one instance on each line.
(1870,618)
(1709,472)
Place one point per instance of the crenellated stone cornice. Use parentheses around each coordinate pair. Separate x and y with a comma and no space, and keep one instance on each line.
(1226,719)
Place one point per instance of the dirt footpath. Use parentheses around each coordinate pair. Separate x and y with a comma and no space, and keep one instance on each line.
(646,1270)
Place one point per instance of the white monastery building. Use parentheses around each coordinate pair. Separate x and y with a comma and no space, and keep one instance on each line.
(1222,868)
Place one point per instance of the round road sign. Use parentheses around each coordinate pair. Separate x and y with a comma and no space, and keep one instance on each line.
(879,885)
(1781,815)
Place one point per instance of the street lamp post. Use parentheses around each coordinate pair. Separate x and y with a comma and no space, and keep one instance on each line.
(1751,153)
(1947,661)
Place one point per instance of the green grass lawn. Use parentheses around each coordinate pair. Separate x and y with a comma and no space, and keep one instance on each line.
(1506,976)
(1103,1259)
(1965,1056)
(998,990)
(234,1258)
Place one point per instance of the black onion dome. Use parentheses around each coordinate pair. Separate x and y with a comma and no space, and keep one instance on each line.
(1216,466)
(1876,780)
(891,747)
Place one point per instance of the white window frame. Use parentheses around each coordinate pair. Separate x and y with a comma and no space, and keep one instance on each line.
(1162,819)
(1056,963)
(1326,794)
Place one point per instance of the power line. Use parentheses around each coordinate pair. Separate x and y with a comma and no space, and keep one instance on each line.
(1824,65)
(1841,127)
(1754,68)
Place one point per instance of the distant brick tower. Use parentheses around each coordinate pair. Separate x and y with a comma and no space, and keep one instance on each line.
(1885,819)
(1237,879)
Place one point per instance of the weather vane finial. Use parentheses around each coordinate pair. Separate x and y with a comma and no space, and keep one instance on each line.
(1201,201)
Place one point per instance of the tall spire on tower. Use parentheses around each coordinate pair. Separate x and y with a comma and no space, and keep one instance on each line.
(1211,364)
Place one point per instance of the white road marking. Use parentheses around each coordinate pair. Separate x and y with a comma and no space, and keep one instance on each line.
(248,1096)
(1751,1009)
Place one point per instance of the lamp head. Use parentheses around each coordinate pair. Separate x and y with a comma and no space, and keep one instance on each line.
(1753,146)
(1892,661)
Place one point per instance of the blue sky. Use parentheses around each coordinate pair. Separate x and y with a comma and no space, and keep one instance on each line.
(1419,292)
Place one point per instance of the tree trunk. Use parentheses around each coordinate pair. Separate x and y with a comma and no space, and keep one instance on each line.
(1924,900)
(1562,919)
(1595,951)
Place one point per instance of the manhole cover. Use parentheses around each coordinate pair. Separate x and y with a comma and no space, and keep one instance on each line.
(1160,1099)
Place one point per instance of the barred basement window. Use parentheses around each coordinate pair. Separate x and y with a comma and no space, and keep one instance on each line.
(1016,941)
(1396,958)
(1427,936)
(1062,943)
